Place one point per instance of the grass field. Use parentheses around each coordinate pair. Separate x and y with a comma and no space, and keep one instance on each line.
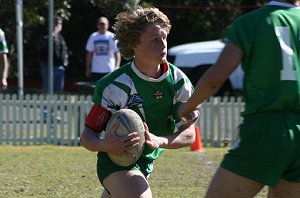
(65,172)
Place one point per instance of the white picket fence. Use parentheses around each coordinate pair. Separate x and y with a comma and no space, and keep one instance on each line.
(219,120)
(23,121)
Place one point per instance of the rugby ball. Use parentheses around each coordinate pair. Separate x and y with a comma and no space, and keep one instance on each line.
(128,121)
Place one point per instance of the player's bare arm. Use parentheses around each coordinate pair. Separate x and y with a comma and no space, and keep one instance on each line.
(111,143)
(185,136)
(213,78)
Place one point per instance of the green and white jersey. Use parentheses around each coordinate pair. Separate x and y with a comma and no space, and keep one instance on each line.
(3,44)
(270,40)
(155,100)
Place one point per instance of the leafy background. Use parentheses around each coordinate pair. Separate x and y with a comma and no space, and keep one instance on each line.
(192,20)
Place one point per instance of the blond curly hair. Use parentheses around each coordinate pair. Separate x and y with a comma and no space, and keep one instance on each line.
(130,25)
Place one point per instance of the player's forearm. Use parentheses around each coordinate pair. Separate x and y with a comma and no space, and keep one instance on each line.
(5,67)
(213,79)
(180,139)
(206,87)
(4,61)
(90,141)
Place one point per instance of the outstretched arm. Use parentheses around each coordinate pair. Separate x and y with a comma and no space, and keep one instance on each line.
(185,136)
(212,80)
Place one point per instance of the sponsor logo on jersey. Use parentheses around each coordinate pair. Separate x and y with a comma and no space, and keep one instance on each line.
(135,101)
(158,95)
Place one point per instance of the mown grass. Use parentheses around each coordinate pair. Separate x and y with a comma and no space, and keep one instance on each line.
(56,171)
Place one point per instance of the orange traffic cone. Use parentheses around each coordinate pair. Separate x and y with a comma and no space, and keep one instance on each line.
(197,145)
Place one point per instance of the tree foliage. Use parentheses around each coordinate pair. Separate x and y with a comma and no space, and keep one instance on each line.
(192,20)
(35,15)
(197,20)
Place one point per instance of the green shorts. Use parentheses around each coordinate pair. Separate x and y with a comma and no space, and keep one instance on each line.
(269,148)
(105,166)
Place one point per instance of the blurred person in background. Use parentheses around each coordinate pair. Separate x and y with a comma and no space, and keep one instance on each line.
(4,65)
(60,58)
(60,62)
(102,55)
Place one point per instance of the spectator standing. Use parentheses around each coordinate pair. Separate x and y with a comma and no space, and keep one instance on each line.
(102,55)
(148,85)
(3,60)
(60,58)
(267,42)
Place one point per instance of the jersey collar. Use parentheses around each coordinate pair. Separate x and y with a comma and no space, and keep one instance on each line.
(162,77)
(277,3)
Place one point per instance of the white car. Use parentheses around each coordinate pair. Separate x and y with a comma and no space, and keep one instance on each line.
(195,58)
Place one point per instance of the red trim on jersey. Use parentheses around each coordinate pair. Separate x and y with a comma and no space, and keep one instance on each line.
(97,118)
(165,68)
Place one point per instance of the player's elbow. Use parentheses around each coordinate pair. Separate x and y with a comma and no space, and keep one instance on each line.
(83,140)
(86,141)
(188,137)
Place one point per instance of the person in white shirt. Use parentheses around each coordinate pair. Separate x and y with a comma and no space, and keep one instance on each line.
(102,55)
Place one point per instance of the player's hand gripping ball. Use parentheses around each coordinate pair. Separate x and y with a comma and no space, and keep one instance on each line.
(128,121)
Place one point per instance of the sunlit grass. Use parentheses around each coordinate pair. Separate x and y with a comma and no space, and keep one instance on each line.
(57,171)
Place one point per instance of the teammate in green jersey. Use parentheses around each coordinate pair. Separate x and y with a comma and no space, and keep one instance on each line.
(148,85)
(3,60)
(267,43)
